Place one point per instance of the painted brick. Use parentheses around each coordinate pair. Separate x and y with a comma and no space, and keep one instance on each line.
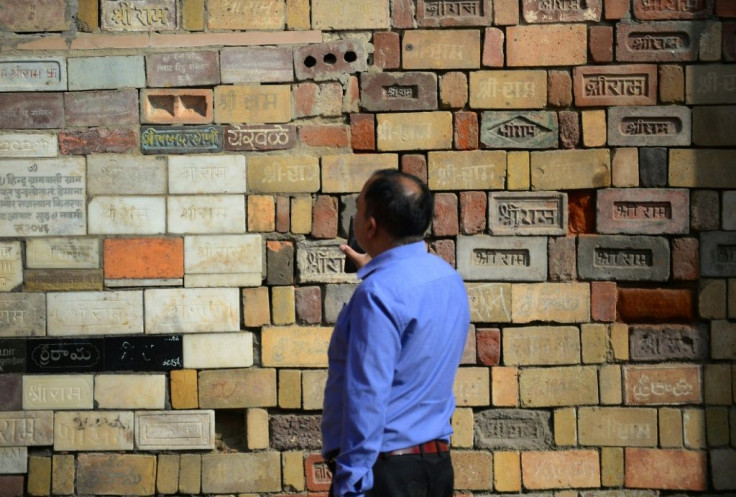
(493,48)
(101,108)
(500,258)
(283,174)
(97,141)
(21,16)
(666,469)
(183,69)
(190,106)
(639,305)
(702,168)
(257,64)
(253,103)
(330,60)
(562,259)
(559,88)
(453,90)
(552,302)
(466,130)
(618,426)
(547,45)
(445,49)
(414,131)
(671,84)
(562,386)
(531,346)
(601,43)
(525,89)
(387,50)
(527,130)
(431,13)
(471,170)
(711,125)
(615,85)
(662,385)
(657,11)
(603,296)
(658,42)
(144,258)
(363,132)
(181,139)
(710,84)
(562,469)
(571,169)
(717,257)
(473,470)
(473,207)
(31,110)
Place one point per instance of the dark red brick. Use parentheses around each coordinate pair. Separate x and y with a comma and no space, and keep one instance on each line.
(324,217)
(473,208)
(98,141)
(685,259)
(363,132)
(569,128)
(31,110)
(600,43)
(581,205)
(488,342)
(334,136)
(387,50)
(11,486)
(725,8)
(603,295)
(466,130)
(308,303)
(415,164)
(643,305)
(283,214)
(444,249)
(318,476)
(445,220)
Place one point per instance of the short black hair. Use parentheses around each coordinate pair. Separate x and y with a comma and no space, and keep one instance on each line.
(400,203)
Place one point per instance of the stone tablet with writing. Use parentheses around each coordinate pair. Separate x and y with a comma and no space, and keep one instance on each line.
(12,356)
(322,262)
(149,353)
(500,258)
(527,213)
(32,73)
(26,428)
(175,430)
(65,355)
(57,392)
(22,314)
(95,313)
(138,15)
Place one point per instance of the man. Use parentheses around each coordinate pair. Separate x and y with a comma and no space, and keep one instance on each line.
(394,352)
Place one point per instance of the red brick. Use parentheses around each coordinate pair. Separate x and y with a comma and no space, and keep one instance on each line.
(304,96)
(616,9)
(176,106)
(493,54)
(444,249)
(562,258)
(603,296)
(144,258)
(308,303)
(335,136)
(402,14)
(387,50)
(685,259)
(473,206)
(283,214)
(488,346)
(31,110)
(466,130)
(318,476)
(97,141)
(642,305)
(11,486)
(666,469)
(581,205)
(363,131)
(725,8)
(444,222)
(559,88)
(324,217)
(600,43)
(416,165)
(569,128)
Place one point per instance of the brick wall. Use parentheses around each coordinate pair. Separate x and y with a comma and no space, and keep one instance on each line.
(176,175)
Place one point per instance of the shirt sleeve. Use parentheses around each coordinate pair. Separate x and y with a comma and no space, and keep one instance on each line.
(373,346)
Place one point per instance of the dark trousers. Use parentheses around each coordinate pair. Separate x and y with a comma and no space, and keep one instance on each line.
(424,475)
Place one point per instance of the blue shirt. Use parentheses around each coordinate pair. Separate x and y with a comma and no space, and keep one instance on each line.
(393,357)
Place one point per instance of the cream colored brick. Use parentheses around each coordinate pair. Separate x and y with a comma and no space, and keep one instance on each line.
(560,386)
(620,341)
(256,422)
(518,175)
(617,426)
(507,471)
(313,388)
(462,428)
(595,343)
(184,389)
(256,307)
(625,167)
(130,391)
(472,387)
(693,421)
(290,389)
(717,384)
(473,470)
(555,302)
(39,476)
(611,385)
(571,169)
(612,466)
(414,131)
(505,387)
(167,474)
(716,426)
(293,470)
(282,305)
(62,475)
(350,15)
(565,427)
(594,128)
(670,428)
(301,215)
(297,14)
(295,346)
(190,473)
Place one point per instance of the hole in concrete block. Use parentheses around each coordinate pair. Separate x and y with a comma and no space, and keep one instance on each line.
(162,104)
(192,105)
(330,58)
(350,56)
(310,61)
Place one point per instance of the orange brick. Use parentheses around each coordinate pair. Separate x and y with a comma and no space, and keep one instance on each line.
(184,389)
(325,136)
(666,469)
(261,213)
(505,387)
(144,258)
(643,305)
(166,106)
(560,469)
(363,131)
(546,45)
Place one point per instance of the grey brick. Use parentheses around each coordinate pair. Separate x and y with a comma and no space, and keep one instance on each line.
(624,258)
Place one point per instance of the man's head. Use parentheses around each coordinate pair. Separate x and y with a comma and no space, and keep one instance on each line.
(400,204)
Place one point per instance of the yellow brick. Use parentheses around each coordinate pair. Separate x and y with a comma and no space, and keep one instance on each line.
(693,421)
(555,302)
(571,169)
(350,15)
(595,343)
(290,389)
(566,493)
(301,215)
(192,15)
(184,389)
(625,167)
(261,177)
(508,89)
(559,386)
(414,131)
(565,429)
(88,15)
(620,341)
(472,387)
(190,473)
(256,423)
(441,49)
(612,466)
(313,388)
(233,103)
(716,424)
(39,475)
(295,346)
(702,168)
(505,387)
(670,428)
(462,428)
(293,470)
(167,474)
(616,426)
(594,128)
(256,307)
(610,385)
(346,173)
(282,305)
(507,471)
(62,476)
(518,176)
(261,213)
(297,14)
(717,384)
(473,470)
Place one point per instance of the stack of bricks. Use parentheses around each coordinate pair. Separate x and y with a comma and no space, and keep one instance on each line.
(176,176)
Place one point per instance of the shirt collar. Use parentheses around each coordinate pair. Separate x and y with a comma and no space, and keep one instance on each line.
(413,249)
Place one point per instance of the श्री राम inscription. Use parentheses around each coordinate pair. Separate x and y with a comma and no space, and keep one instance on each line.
(32,74)
(527,213)
(321,262)
(138,15)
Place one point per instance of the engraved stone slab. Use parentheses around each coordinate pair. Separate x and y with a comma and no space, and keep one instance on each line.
(710,84)
(98,430)
(180,139)
(668,342)
(414,131)
(55,280)
(623,258)
(218,350)
(257,64)
(116,474)
(658,41)
(527,213)
(31,110)
(192,310)
(283,174)
(117,174)
(253,104)
(523,89)
(489,302)
(443,49)
(237,388)
(513,429)
(12,356)
(207,174)
(552,302)
(246,14)
(26,428)
(183,69)
(22,314)
(643,211)
(497,258)
(541,345)
(661,126)
(56,392)
(615,85)
(260,137)
(508,130)
(13,460)
(63,253)
(175,430)
(717,254)
(21,145)
(42,197)
(224,254)
(101,108)
(65,356)
(299,347)
(127,215)
(11,266)
(321,262)
(143,353)
(543,11)
(138,15)
(347,173)
(617,426)
(95,313)
(130,391)
(471,170)
(32,74)
(391,91)
(656,10)
(434,13)
(672,385)
(206,214)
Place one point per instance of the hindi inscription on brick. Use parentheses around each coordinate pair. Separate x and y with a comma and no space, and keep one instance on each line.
(527,213)
(32,74)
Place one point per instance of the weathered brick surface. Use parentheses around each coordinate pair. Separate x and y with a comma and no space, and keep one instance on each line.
(387,54)
(665,469)
(97,141)
(409,91)
(562,469)
(101,108)
(561,386)
(466,131)
(447,49)
(523,89)
(640,305)
(615,85)
(550,45)
(658,42)
(601,43)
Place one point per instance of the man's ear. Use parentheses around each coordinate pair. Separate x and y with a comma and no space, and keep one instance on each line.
(371,227)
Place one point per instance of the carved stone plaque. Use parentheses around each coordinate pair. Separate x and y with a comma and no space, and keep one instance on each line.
(63,253)
(665,126)
(668,342)
(192,310)
(527,213)
(57,392)
(623,258)
(138,15)
(718,254)
(54,280)
(22,314)
(175,430)
(12,356)
(180,139)
(433,13)
(149,353)
(65,355)
(260,137)
(26,428)
(13,460)
(512,429)
(321,262)
(500,258)
(508,130)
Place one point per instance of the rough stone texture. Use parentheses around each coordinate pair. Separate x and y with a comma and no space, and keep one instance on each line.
(453,90)
(569,129)
(350,15)
(512,429)
(653,167)
(548,45)
(295,432)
